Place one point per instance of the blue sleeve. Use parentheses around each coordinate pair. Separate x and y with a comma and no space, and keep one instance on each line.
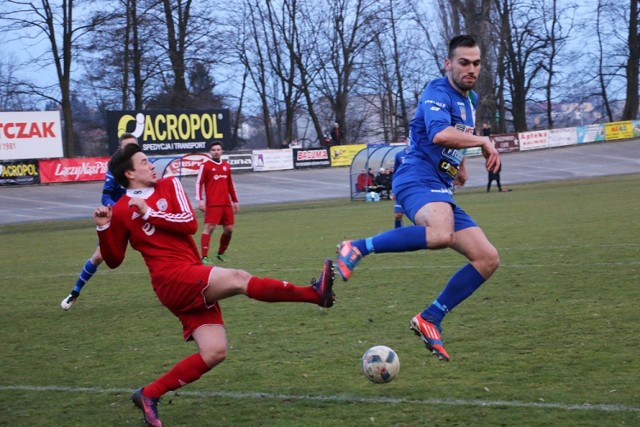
(437,107)
(111,191)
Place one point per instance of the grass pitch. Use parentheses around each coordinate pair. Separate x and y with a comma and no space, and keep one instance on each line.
(551,339)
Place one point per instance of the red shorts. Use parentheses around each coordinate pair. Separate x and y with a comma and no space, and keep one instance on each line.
(181,290)
(219,215)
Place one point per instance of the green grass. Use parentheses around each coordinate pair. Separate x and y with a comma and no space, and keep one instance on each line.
(556,328)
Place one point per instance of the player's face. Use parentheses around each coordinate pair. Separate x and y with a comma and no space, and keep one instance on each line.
(463,68)
(143,174)
(216,152)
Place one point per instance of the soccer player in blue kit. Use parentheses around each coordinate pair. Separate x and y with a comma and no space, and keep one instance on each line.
(111,193)
(443,127)
(397,207)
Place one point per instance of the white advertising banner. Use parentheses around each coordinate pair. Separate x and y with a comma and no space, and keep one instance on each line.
(272,160)
(562,137)
(533,140)
(30,135)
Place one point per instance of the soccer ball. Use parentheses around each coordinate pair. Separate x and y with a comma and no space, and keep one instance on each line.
(380,364)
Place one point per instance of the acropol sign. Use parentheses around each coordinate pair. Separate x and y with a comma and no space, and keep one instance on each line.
(170,131)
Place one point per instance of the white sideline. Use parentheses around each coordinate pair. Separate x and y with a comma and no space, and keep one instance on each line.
(347,399)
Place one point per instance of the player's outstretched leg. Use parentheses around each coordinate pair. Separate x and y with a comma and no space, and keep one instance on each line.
(324,285)
(430,334)
(148,406)
(348,257)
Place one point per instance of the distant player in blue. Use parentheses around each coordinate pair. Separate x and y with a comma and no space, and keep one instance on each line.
(441,130)
(111,192)
(397,207)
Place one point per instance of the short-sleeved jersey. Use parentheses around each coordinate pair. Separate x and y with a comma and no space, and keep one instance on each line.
(215,179)
(111,190)
(440,106)
(399,159)
(163,235)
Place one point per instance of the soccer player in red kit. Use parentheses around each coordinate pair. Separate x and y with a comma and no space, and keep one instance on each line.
(157,219)
(221,201)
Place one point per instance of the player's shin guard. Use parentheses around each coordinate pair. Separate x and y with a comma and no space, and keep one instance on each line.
(274,290)
(184,372)
(204,244)
(225,239)
(87,273)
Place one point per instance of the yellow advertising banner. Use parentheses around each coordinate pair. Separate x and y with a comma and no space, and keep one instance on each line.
(342,155)
(618,130)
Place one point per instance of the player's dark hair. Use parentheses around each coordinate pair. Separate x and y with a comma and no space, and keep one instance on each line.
(121,162)
(212,143)
(462,40)
(126,135)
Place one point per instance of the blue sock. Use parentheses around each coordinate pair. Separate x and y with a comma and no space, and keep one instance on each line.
(459,288)
(397,223)
(87,272)
(403,239)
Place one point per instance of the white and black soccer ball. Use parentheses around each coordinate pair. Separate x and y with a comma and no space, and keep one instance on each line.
(380,364)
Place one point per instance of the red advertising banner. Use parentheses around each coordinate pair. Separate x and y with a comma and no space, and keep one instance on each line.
(73,170)
(506,142)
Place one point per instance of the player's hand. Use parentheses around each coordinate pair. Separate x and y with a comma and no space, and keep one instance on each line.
(236,207)
(201,205)
(492,158)
(139,205)
(102,215)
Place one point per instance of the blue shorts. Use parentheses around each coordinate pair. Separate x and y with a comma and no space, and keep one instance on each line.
(414,196)
(397,208)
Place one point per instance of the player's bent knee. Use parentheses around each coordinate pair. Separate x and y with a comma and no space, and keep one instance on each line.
(440,240)
(239,279)
(214,355)
(491,260)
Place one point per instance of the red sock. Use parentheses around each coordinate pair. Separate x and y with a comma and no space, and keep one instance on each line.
(204,244)
(274,290)
(184,372)
(224,243)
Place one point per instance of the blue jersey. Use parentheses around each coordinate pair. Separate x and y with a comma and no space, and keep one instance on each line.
(111,191)
(440,106)
(399,159)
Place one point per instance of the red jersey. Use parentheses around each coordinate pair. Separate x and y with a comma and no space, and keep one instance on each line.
(163,235)
(216,179)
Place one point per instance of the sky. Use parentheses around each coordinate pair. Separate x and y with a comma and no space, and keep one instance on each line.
(21,49)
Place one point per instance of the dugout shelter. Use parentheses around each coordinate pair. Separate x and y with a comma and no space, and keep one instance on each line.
(374,157)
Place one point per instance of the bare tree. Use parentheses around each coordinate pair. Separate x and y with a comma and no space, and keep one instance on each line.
(558,27)
(384,73)
(348,37)
(630,111)
(253,58)
(525,47)
(55,24)
(14,93)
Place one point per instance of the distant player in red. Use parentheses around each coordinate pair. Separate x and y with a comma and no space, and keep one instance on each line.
(221,201)
(157,219)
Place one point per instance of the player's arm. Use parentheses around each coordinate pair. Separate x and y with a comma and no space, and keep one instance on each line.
(451,137)
(179,216)
(110,190)
(442,132)
(233,194)
(199,188)
(113,239)
(462,175)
